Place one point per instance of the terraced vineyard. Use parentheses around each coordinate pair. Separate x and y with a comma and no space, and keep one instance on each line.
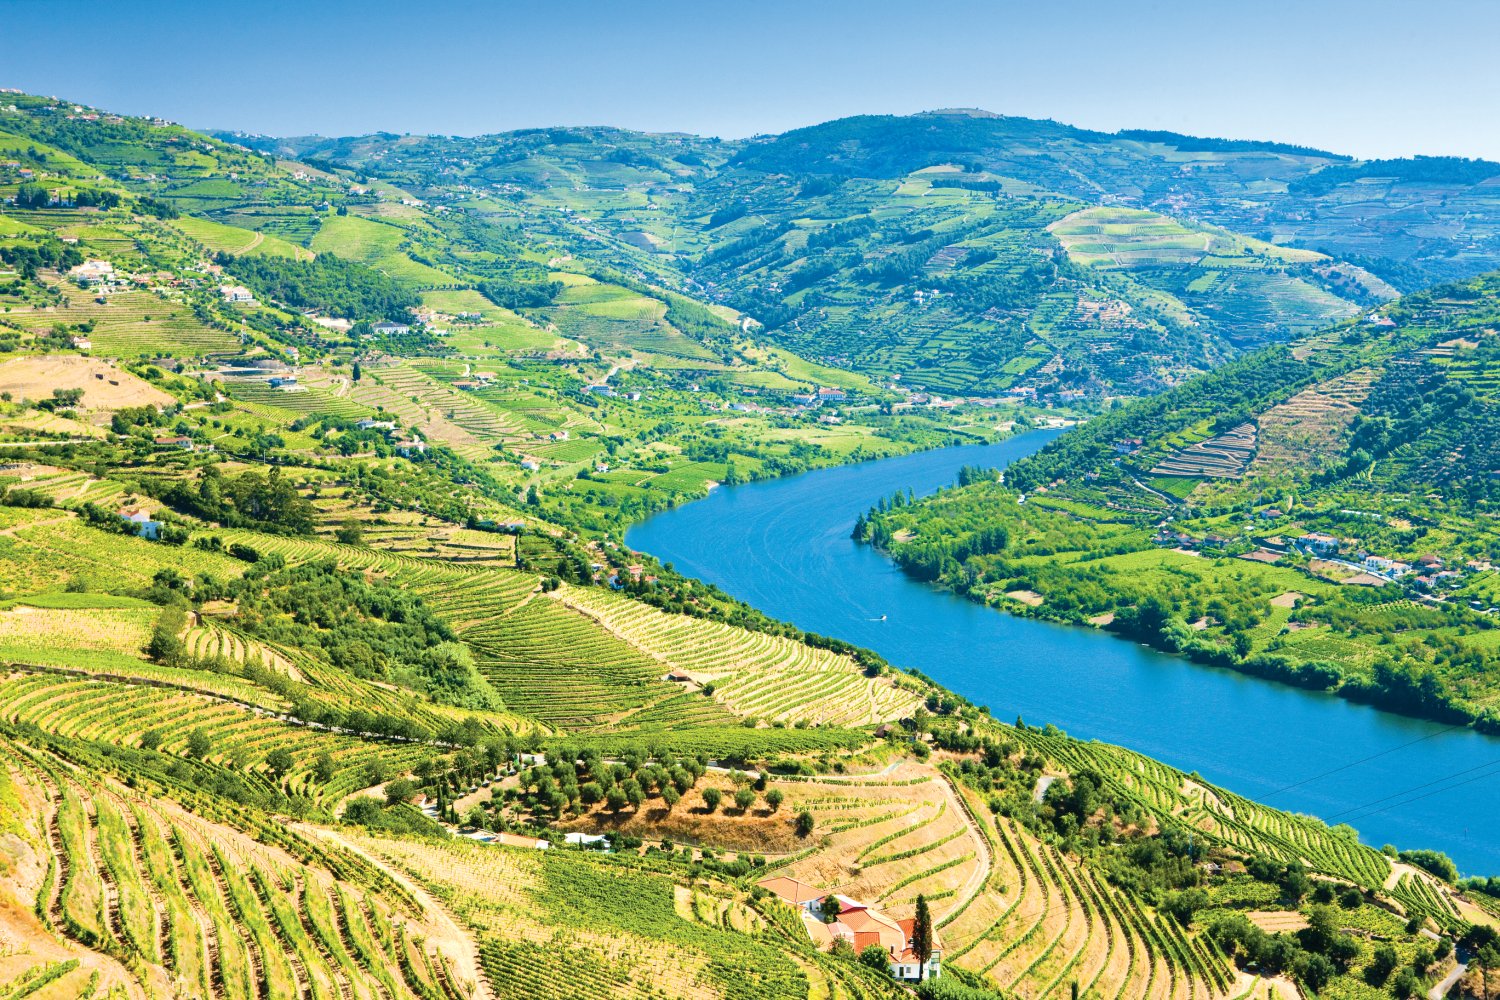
(629,928)
(752,673)
(239,739)
(196,906)
(1008,907)
(1309,427)
(1224,456)
(133,324)
(1236,822)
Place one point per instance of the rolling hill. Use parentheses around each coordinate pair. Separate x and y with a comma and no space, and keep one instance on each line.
(947,251)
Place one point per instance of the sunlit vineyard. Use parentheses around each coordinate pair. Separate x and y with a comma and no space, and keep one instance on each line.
(234,905)
(752,673)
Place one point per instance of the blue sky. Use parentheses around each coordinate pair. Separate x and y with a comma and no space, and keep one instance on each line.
(1372,78)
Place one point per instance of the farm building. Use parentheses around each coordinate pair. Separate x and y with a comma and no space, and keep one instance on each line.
(1318,543)
(855,923)
(176,441)
(92,272)
(237,294)
(406,446)
(145,527)
(392,329)
(593,840)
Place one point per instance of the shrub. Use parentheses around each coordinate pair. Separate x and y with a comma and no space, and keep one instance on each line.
(199,744)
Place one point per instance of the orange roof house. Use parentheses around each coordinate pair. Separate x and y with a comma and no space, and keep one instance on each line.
(856,923)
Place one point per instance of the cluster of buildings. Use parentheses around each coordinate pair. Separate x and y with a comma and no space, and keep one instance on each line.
(1427,571)
(826,394)
(404,446)
(831,917)
(475,382)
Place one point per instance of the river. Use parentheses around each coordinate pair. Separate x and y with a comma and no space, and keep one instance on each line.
(783,546)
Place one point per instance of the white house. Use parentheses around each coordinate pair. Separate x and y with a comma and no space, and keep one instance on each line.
(92,272)
(144,526)
(237,294)
(587,840)
(392,329)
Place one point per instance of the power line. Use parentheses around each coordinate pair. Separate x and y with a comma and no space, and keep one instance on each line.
(1417,788)
(1435,791)
(1365,760)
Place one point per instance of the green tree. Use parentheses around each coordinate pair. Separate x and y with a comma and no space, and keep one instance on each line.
(875,957)
(280,761)
(774,799)
(199,744)
(350,532)
(1382,964)
(323,768)
(805,823)
(921,935)
(398,791)
(151,739)
(711,798)
(744,799)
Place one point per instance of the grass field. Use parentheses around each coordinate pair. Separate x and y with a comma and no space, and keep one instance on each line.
(217,237)
(378,245)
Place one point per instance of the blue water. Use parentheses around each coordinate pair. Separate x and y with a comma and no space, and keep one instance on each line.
(784,547)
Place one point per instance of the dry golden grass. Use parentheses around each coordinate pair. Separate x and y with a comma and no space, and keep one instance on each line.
(105,387)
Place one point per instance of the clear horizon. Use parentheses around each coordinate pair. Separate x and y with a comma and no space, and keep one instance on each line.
(1364,78)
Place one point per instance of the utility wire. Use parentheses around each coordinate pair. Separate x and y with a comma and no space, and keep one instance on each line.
(1420,787)
(1364,760)
(1435,791)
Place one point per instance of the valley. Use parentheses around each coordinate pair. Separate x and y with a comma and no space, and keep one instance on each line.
(426,563)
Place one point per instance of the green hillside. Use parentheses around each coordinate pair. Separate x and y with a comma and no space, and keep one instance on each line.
(1320,512)
(940,252)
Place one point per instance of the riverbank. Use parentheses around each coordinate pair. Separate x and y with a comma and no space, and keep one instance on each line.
(1067,561)
(783,547)
(1181,639)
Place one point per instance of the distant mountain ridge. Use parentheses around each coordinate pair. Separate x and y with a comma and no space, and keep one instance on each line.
(925,250)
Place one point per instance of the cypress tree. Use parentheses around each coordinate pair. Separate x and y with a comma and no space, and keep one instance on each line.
(921,936)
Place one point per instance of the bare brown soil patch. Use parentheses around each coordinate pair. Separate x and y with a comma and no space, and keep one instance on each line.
(105,388)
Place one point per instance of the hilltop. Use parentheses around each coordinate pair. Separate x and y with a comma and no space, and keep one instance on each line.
(319,637)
